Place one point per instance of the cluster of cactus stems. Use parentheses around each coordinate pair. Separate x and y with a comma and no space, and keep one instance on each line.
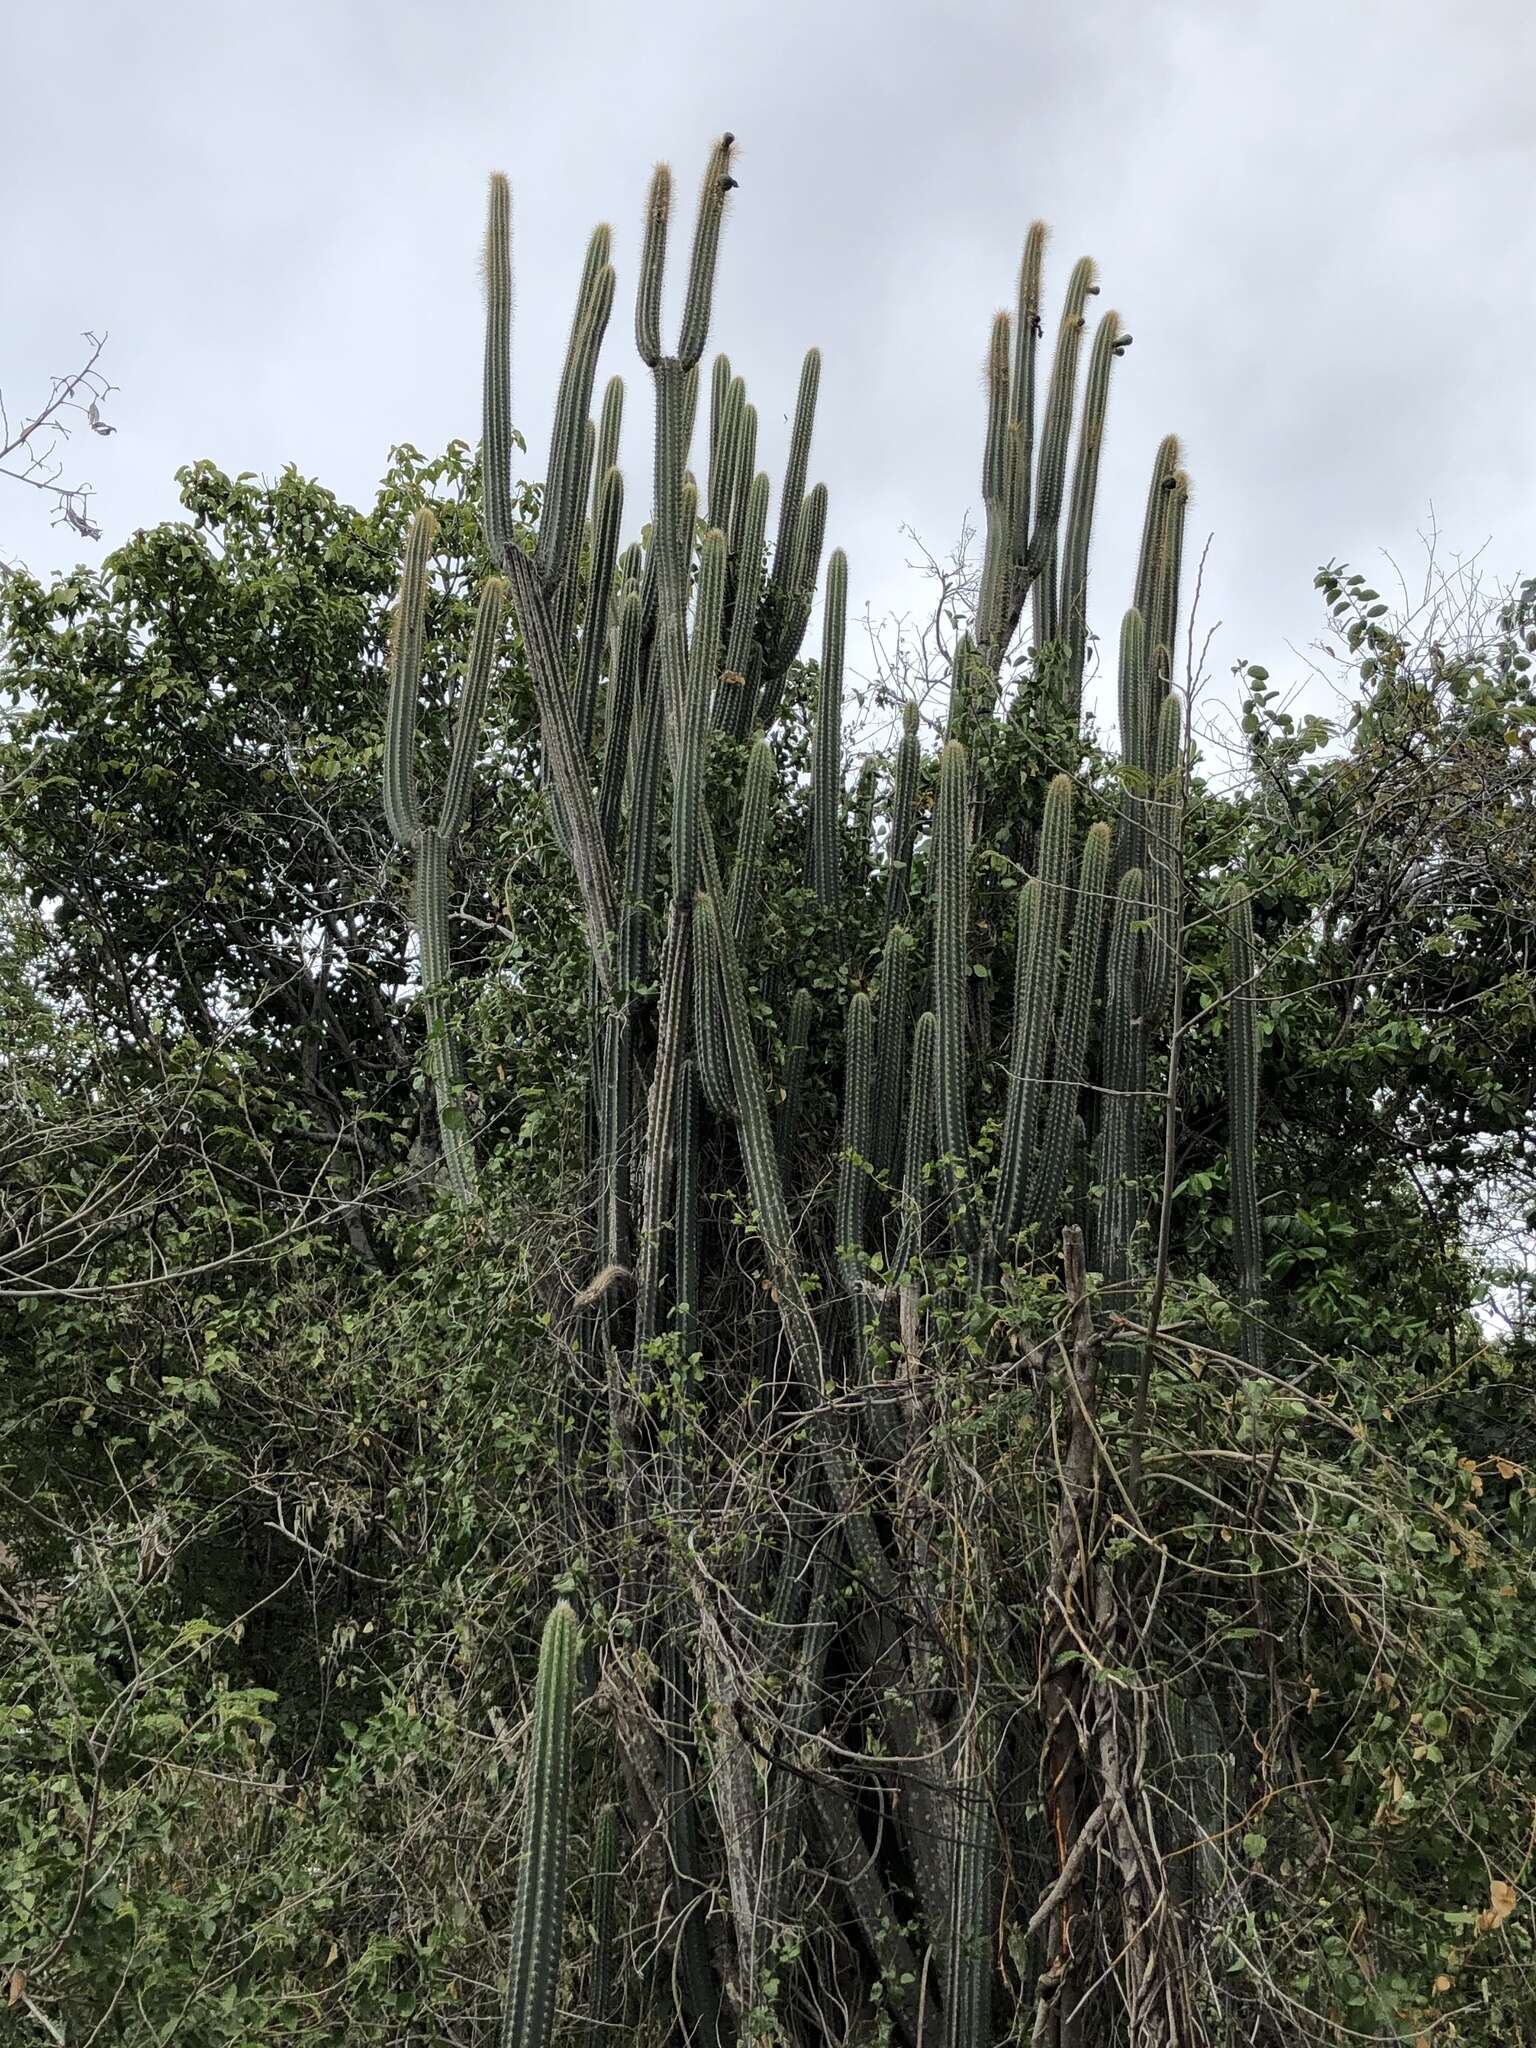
(664,671)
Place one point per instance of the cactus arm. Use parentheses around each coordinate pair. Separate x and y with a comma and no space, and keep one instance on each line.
(1108,341)
(610,426)
(746,869)
(564,499)
(600,591)
(1123,1080)
(623,684)
(470,709)
(1134,738)
(747,554)
(546,665)
(661,1122)
(496,433)
(996,490)
(827,743)
(1041,910)
(1051,481)
(797,1042)
(567,762)
(795,468)
(685,1224)
(653,263)
(605,1930)
(1072,1027)
(708,1037)
(1243,1109)
(968,1972)
(917,1149)
(853,1169)
(718,182)
(720,385)
(1165,465)
(1165,855)
(538,1920)
(903,823)
(688,795)
(724,450)
(951,918)
(1021,395)
(407,630)
(442,1050)
(892,1026)
(1165,602)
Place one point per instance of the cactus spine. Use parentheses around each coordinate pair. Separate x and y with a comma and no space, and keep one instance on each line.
(538,1919)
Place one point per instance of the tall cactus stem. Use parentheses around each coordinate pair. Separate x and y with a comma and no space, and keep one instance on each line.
(1042,909)
(603,2000)
(407,630)
(1084,954)
(538,1918)
(903,820)
(1107,342)
(600,592)
(949,858)
(469,711)
(496,433)
(747,867)
(853,1166)
(827,743)
(1243,1110)
(892,1026)
(706,244)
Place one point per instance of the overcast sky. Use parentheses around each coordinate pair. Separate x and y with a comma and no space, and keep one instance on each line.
(1316,217)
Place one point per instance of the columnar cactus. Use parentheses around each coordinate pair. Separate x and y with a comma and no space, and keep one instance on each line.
(432,842)
(1243,1099)
(538,1919)
(765,1117)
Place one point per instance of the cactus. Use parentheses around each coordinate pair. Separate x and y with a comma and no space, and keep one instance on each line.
(917,1149)
(605,1929)
(1124,1069)
(853,1167)
(891,1044)
(898,848)
(746,870)
(796,1047)
(708,1031)
(827,743)
(433,842)
(1042,907)
(968,1978)
(950,974)
(1243,1106)
(1072,1028)
(660,671)
(538,1919)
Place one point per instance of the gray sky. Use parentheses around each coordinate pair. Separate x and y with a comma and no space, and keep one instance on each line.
(1316,219)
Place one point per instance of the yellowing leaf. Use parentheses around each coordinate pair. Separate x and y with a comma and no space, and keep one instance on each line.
(1502,1899)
